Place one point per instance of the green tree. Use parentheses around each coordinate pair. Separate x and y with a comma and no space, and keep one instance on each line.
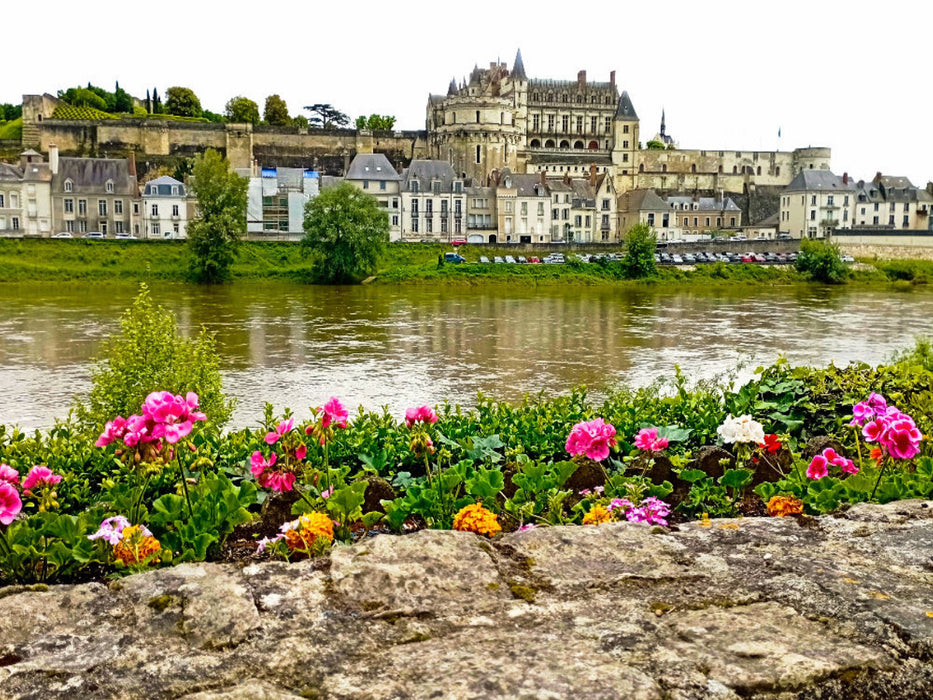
(361,122)
(300,121)
(157,107)
(220,220)
(242,110)
(325,116)
(83,97)
(640,244)
(375,122)
(345,232)
(122,100)
(654,145)
(180,101)
(822,261)
(276,111)
(149,355)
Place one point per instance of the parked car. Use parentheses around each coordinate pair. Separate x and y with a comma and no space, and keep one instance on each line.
(454,258)
(498,259)
(483,259)
(522,259)
(534,260)
(847,259)
(63,234)
(126,237)
(94,234)
(510,260)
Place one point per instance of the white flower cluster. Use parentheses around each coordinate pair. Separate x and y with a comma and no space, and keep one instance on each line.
(741,429)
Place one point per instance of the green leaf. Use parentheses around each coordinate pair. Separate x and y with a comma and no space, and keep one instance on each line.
(736,478)
(674,433)
(692,475)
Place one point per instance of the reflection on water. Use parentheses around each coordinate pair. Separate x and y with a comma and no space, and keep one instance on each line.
(297,345)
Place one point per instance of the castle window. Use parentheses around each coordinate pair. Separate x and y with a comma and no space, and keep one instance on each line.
(477,152)
(414,183)
(549,143)
(535,143)
(593,146)
(579,125)
(579,99)
(109,186)
(563,98)
(759,170)
(720,169)
(777,170)
(693,168)
(664,168)
(592,125)
(565,144)
(69,186)
(608,124)
(641,167)
(735,170)
(593,99)
(477,116)
(565,123)
(578,144)
(625,128)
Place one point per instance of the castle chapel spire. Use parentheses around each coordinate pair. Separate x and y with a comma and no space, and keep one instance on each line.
(518,68)
(452,90)
(662,122)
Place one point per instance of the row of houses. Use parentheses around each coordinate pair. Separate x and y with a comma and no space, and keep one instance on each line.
(84,195)
(818,203)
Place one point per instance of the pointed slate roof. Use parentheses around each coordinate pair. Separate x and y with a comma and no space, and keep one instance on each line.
(625,110)
(452,90)
(518,69)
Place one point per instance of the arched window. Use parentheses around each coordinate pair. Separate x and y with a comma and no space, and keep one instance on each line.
(564,97)
(565,144)
(720,169)
(759,170)
(664,168)
(735,169)
(69,186)
(593,146)
(535,143)
(641,167)
(549,143)
(579,99)
(578,144)
(593,99)
(777,170)
(693,168)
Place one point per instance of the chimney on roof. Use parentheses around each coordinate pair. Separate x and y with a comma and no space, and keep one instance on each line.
(845,178)
(132,162)
(53,158)
(543,177)
(593,174)
(878,176)
(581,78)
(567,178)
(612,78)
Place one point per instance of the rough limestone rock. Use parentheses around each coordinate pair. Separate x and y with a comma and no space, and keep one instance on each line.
(834,607)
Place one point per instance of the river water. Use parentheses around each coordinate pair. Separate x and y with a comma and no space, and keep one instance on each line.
(296,345)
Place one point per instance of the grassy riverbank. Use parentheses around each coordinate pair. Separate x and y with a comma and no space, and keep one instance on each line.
(66,260)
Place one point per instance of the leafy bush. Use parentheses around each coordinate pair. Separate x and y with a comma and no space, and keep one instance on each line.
(822,261)
(149,355)
(640,243)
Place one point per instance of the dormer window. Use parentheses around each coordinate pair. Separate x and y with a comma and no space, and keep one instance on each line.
(109,186)
(69,186)
(175,190)
(414,186)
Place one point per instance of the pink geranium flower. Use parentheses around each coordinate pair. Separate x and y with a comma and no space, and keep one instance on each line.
(9,475)
(40,476)
(112,431)
(648,440)
(593,438)
(10,503)
(335,413)
(280,430)
(903,439)
(817,468)
(267,476)
(421,414)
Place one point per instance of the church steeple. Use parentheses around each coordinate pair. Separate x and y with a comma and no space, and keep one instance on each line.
(452,90)
(662,123)
(518,68)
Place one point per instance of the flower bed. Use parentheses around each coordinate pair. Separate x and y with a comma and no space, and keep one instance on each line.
(166,486)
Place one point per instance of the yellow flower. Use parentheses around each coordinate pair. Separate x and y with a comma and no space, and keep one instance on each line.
(475,518)
(136,546)
(779,506)
(596,515)
(311,527)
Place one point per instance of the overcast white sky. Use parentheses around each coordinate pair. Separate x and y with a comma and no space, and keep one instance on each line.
(854,76)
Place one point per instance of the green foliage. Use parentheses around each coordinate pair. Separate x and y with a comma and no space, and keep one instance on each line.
(11,129)
(300,121)
(325,116)
(640,244)
(822,261)
(149,355)
(654,145)
(375,122)
(276,111)
(217,508)
(220,220)
(83,97)
(180,101)
(10,112)
(345,232)
(74,112)
(242,110)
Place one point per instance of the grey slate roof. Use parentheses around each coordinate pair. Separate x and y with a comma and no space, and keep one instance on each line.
(10,173)
(625,110)
(92,174)
(162,186)
(526,184)
(518,69)
(371,166)
(703,203)
(642,200)
(807,180)
(426,172)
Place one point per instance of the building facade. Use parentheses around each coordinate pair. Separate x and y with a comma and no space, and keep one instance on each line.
(816,203)
(276,199)
(893,203)
(165,209)
(94,194)
(434,202)
(25,197)
(374,174)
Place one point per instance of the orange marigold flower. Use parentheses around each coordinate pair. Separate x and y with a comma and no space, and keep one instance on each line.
(475,518)
(308,529)
(596,515)
(877,455)
(779,506)
(136,546)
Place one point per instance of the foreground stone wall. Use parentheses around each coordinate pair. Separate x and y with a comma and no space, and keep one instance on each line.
(835,607)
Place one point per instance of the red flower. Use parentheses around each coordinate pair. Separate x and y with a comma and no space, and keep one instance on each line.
(771,444)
